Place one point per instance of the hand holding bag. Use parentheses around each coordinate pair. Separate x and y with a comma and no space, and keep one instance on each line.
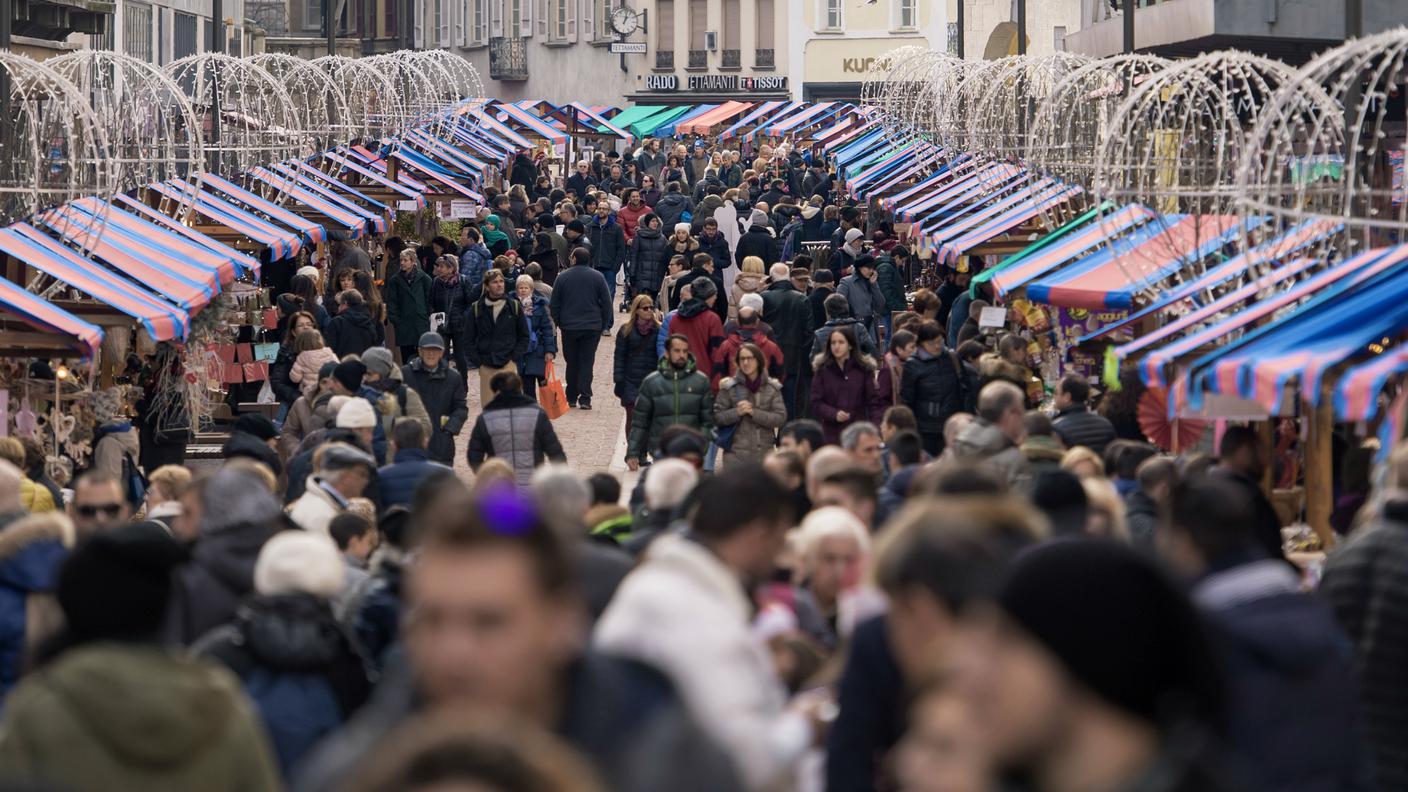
(552,395)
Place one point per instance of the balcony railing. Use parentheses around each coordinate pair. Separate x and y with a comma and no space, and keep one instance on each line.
(664,59)
(698,59)
(732,59)
(508,59)
(764,59)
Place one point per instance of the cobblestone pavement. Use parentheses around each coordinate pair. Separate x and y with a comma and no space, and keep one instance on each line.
(594,440)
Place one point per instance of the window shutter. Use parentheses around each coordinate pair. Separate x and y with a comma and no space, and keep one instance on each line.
(525,18)
(588,23)
(731,25)
(418,28)
(496,18)
(571,9)
(765,24)
(542,18)
(665,26)
(458,11)
(698,23)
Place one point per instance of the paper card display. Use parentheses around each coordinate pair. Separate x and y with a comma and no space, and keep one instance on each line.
(233,374)
(271,319)
(267,353)
(461,209)
(225,352)
(405,206)
(992,317)
(244,353)
(255,372)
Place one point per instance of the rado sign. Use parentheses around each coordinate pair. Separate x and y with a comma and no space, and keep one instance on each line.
(662,82)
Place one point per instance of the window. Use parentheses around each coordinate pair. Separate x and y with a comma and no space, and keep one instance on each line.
(559,20)
(437,19)
(831,14)
(764,56)
(603,18)
(731,40)
(698,23)
(184,40)
(313,15)
(389,21)
(906,14)
(665,29)
(137,31)
(1058,34)
(479,24)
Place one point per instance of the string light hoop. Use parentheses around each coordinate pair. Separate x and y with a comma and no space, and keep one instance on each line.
(956,88)
(319,105)
(246,117)
(153,132)
(1074,117)
(374,108)
(1330,146)
(420,94)
(53,147)
(879,70)
(454,79)
(1003,121)
(900,79)
(1174,145)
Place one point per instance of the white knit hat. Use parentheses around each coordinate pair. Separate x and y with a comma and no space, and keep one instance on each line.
(299,562)
(682,226)
(356,414)
(308,270)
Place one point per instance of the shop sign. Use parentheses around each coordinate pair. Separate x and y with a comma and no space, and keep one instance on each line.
(856,65)
(662,82)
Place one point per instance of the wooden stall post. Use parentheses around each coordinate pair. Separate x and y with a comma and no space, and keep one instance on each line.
(1319,471)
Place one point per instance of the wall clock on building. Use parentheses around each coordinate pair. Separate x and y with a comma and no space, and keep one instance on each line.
(624,21)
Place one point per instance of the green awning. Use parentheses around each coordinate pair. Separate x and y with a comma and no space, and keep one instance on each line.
(647,126)
(634,113)
(1037,246)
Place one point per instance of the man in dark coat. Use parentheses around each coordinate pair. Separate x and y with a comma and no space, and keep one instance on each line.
(624,718)
(1293,703)
(352,331)
(673,205)
(1240,460)
(1366,582)
(676,393)
(714,243)
(785,309)
(823,286)
(442,391)
(496,334)
(608,241)
(581,309)
(515,429)
(579,182)
(758,241)
(933,386)
(410,466)
(1075,424)
(408,304)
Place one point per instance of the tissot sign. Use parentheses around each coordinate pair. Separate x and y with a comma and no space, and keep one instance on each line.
(714,83)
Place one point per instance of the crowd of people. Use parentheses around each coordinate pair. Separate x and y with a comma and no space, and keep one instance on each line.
(865,550)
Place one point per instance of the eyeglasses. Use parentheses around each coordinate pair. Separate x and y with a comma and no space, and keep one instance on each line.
(107,509)
(646,308)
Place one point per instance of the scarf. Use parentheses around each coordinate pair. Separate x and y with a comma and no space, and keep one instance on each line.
(527,305)
(645,326)
(753,385)
(452,280)
(492,234)
(496,304)
(409,275)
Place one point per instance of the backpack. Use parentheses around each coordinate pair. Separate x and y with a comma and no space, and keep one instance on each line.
(134,483)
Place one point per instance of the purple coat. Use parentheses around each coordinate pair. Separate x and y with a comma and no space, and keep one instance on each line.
(852,391)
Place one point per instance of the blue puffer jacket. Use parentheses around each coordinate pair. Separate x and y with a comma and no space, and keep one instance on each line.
(31,552)
(398,480)
(542,339)
(301,669)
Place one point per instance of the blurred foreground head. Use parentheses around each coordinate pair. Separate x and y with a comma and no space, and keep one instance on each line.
(492,612)
(1089,663)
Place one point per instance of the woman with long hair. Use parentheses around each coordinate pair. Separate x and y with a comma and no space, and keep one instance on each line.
(306,289)
(843,387)
(752,403)
(673,170)
(635,355)
(542,343)
(281,370)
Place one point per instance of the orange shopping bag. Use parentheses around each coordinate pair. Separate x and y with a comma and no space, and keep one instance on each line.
(552,396)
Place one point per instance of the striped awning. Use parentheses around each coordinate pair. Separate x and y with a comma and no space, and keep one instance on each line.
(247,265)
(311,230)
(1077,244)
(349,216)
(372,212)
(700,125)
(367,173)
(759,112)
(282,242)
(163,320)
(995,219)
(46,317)
(796,120)
(532,123)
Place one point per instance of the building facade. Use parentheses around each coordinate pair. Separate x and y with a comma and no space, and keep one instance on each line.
(990,26)
(1289,30)
(155,31)
(840,39)
(712,51)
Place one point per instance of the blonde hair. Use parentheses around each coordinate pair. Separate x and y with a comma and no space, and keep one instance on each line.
(12,451)
(1079,454)
(830,522)
(170,481)
(522,280)
(494,472)
(364,508)
(1105,500)
(753,265)
(307,341)
(259,469)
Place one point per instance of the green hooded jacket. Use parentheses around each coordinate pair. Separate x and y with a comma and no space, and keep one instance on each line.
(669,397)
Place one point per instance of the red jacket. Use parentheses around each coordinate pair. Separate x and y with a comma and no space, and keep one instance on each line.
(630,219)
(726,356)
(704,330)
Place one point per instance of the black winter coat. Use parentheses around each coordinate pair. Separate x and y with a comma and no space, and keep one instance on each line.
(352,332)
(285,389)
(671,209)
(608,241)
(495,342)
(649,254)
(1078,426)
(933,388)
(635,359)
(207,589)
(757,242)
(581,300)
(302,669)
(786,310)
(442,391)
(717,248)
(454,302)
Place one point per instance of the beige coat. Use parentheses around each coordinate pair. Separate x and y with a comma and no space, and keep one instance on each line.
(756,433)
(744,283)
